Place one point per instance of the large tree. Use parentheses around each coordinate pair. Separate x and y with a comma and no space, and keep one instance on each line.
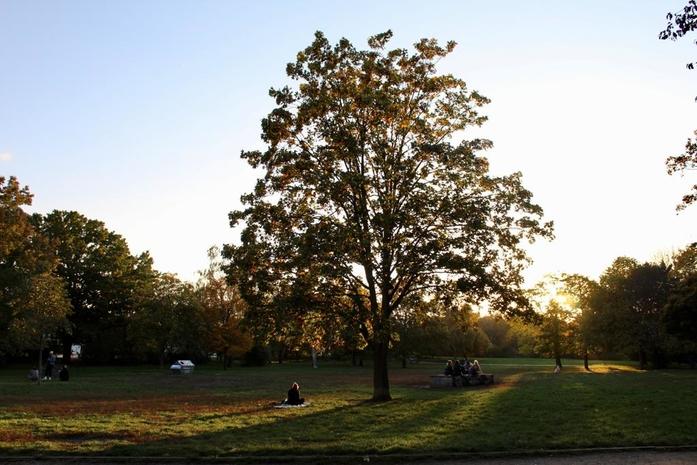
(627,308)
(370,191)
(103,281)
(33,304)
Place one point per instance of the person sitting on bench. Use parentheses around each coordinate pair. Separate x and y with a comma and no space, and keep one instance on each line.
(457,373)
(448,368)
(475,369)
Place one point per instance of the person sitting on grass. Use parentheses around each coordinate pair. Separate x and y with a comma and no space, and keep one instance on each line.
(294,395)
(448,368)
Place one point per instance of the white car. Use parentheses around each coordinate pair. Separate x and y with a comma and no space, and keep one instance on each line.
(182,367)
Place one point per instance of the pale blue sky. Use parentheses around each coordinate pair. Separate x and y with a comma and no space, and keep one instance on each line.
(135,112)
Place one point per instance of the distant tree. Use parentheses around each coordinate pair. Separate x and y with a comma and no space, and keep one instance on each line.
(223,310)
(555,337)
(679,24)
(33,305)
(684,262)
(628,306)
(102,277)
(42,313)
(680,312)
(365,185)
(579,291)
(498,331)
(168,320)
(525,336)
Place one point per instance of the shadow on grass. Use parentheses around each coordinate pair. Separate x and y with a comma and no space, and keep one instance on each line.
(530,411)
(530,408)
(359,427)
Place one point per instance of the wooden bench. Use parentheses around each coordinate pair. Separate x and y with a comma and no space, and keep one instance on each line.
(438,381)
(441,381)
(481,378)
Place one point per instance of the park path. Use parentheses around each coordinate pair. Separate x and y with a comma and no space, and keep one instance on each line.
(602,458)
(685,457)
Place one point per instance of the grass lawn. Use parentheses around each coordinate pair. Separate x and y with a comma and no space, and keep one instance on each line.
(148,412)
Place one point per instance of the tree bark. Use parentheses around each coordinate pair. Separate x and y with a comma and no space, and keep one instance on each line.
(314,358)
(281,353)
(585,360)
(381,383)
(558,361)
(41,357)
(642,359)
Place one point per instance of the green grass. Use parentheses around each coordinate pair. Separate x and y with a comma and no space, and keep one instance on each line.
(148,412)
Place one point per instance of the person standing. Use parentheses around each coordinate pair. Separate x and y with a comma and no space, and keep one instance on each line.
(50,365)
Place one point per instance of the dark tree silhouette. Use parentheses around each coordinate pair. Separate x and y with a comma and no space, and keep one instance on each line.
(679,24)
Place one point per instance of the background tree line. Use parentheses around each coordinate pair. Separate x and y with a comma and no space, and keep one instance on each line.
(66,279)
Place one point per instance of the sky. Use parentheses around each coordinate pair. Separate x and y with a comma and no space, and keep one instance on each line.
(135,113)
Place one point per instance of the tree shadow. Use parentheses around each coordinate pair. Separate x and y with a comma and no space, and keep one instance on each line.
(399,425)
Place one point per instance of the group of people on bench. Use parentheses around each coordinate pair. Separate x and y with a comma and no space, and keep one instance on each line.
(462,369)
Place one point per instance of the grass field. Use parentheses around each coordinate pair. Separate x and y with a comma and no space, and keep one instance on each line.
(148,412)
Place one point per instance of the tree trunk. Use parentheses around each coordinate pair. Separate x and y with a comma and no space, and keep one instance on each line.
(381,383)
(41,356)
(354,358)
(557,360)
(657,359)
(314,358)
(224,361)
(67,349)
(404,361)
(585,360)
(642,359)
(281,353)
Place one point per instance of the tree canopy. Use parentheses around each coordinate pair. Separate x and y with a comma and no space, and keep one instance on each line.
(371,191)
(679,24)
(102,278)
(33,302)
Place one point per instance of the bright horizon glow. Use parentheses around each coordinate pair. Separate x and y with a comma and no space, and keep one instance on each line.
(135,113)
